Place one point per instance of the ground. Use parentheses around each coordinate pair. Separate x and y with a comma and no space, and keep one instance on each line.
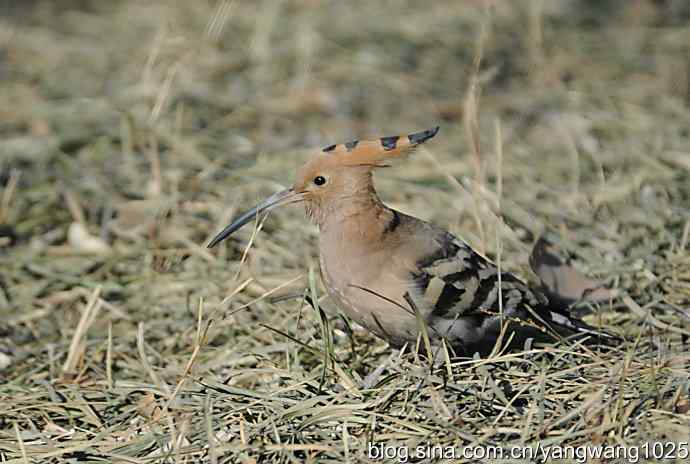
(131,132)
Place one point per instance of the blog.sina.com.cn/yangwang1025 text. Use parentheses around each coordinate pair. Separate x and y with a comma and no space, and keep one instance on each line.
(581,454)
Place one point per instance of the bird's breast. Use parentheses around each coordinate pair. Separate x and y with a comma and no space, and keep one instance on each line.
(371,292)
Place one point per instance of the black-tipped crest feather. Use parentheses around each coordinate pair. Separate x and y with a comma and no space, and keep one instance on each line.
(421,137)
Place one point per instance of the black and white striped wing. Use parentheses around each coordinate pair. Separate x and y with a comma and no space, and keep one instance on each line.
(456,281)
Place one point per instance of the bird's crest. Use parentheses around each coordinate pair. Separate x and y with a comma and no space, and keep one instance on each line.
(374,151)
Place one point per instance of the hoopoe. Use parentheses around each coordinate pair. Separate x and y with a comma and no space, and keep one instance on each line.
(388,271)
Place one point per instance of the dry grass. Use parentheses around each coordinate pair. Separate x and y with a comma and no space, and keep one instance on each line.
(131,133)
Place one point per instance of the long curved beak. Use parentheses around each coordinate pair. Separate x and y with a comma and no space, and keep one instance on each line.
(282,197)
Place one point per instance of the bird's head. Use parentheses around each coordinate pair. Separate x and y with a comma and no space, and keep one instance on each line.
(337,173)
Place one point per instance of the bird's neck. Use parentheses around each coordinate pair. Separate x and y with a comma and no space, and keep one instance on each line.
(353,239)
(358,220)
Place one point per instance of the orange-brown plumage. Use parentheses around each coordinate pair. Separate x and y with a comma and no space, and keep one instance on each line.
(381,266)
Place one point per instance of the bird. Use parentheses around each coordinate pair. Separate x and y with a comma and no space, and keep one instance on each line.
(403,278)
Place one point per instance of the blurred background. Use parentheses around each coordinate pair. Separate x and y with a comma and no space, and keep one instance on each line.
(131,132)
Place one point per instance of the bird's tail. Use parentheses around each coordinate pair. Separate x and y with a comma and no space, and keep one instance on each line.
(565,324)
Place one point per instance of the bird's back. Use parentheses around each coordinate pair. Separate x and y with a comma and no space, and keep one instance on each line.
(463,297)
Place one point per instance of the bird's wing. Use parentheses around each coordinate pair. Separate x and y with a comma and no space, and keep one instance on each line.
(454,281)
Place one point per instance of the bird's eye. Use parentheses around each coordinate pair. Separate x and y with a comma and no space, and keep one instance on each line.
(319,180)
